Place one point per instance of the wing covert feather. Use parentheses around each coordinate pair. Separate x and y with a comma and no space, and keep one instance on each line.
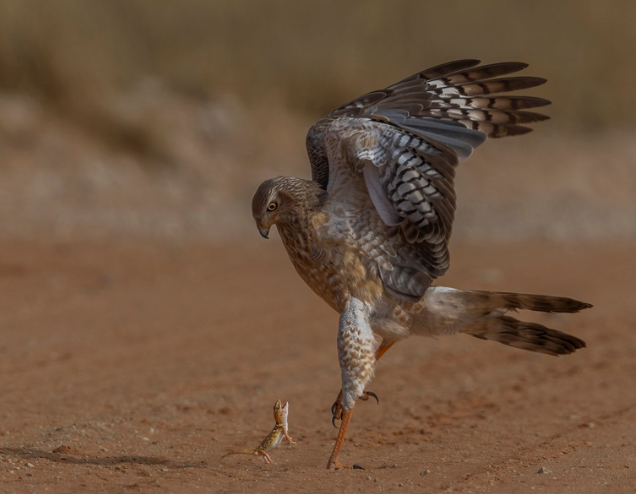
(405,142)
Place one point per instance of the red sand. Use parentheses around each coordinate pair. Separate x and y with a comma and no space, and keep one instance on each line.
(132,367)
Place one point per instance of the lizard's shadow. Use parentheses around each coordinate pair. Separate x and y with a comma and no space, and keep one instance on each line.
(32,453)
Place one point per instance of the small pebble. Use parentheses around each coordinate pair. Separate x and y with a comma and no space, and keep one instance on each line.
(425,472)
(543,470)
(30,465)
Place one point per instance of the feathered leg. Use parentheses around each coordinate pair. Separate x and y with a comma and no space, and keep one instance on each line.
(357,359)
(336,408)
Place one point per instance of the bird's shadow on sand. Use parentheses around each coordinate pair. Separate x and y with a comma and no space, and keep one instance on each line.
(34,454)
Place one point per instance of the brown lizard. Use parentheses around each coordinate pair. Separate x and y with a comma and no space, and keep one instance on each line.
(273,439)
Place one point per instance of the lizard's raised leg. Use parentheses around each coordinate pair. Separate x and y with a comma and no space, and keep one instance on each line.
(288,437)
(357,360)
(336,408)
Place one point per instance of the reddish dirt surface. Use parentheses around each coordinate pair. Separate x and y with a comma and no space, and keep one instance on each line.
(132,367)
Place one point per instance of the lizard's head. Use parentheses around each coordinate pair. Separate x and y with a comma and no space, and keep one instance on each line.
(281,411)
(279,199)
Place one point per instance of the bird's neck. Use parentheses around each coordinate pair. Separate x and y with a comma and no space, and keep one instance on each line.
(298,229)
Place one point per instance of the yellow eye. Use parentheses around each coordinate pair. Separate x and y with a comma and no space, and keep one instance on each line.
(272,206)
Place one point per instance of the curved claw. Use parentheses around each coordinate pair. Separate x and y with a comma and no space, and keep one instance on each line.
(371,393)
(336,406)
(334,414)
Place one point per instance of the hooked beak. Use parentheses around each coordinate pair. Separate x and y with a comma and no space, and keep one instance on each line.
(264,232)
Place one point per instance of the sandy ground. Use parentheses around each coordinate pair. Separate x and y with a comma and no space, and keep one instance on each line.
(133,366)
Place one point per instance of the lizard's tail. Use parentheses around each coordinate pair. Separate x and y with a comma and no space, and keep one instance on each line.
(241,452)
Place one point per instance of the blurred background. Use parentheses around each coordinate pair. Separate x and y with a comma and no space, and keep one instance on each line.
(145,326)
(160,119)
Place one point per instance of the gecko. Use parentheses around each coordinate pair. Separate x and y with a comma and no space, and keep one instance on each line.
(274,438)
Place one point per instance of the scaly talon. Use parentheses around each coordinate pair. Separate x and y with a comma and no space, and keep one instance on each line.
(345,416)
(337,407)
(337,465)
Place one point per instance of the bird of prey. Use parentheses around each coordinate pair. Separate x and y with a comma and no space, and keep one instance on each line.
(370,232)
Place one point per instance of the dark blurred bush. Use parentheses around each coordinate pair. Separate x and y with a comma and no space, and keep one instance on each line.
(308,56)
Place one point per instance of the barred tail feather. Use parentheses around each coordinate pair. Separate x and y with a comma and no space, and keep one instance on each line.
(482,314)
(529,336)
(525,301)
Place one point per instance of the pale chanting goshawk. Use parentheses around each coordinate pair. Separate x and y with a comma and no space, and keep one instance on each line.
(369,233)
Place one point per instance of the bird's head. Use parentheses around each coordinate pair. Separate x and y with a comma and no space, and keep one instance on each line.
(270,204)
(281,199)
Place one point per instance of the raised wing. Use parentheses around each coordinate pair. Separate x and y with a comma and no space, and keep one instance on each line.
(407,140)
(409,179)
(456,92)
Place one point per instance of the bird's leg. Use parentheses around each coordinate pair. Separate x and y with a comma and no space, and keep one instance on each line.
(357,360)
(382,349)
(336,408)
(334,460)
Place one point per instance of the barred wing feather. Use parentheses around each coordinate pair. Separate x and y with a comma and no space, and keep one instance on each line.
(408,139)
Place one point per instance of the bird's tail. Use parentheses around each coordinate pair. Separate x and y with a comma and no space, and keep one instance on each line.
(483,315)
